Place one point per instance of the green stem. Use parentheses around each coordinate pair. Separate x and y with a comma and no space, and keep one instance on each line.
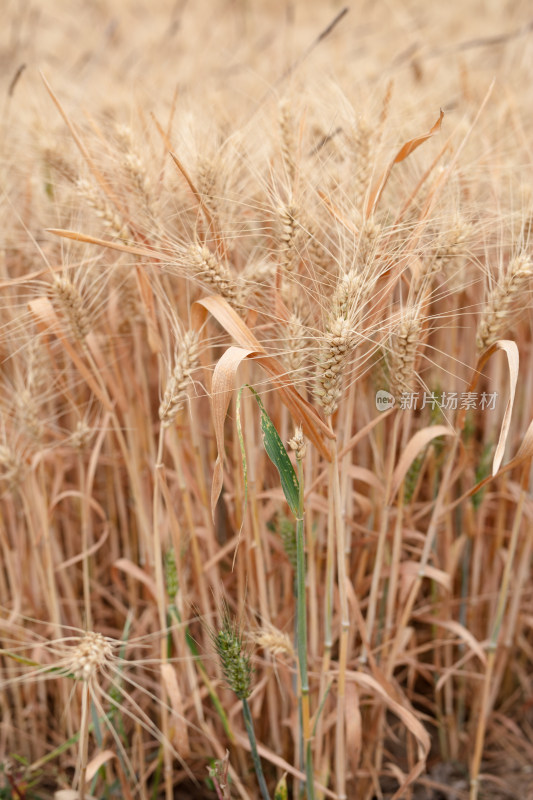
(253,746)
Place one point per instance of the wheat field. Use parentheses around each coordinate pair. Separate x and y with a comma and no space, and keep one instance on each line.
(266,406)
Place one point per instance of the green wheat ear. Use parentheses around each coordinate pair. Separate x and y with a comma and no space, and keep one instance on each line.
(288,538)
(281,792)
(234,658)
(171,574)
(237,669)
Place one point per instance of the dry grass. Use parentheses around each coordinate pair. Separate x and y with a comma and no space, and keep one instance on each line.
(196,201)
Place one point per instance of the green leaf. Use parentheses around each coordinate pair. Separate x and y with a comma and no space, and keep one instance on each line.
(275,450)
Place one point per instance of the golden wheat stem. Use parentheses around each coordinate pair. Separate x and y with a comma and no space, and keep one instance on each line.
(162,609)
(392,599)
(180,635)
(322,760)
(377,570)
(84,740)
(486,706)
(178,460)
(344,461)
(424,559)
(330,581)
(342,578)
(34,502)
(134,473)
(211,539)
(85,536)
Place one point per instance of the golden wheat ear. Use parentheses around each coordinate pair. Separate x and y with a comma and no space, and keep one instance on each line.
(510,294)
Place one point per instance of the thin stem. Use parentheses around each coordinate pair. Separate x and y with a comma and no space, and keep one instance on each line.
(340,738)
(428,545)
(84,739)
(253,747)
(493,646)
(302,634)
(85,522)
(162,608)
(322,763)
(382,537)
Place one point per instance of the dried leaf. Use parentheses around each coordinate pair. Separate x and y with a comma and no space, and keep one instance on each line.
(411,570)
(526,447)
(192,187)
(77,236)
(222,388)
(408,718)
(179,734)
(524,453)
(98,176)
(354,728)
(301,411)
(413,448)
(136,572)
(401,155)
(460,631)
(365,476)
(511,351)
(47,319)
(154,340)
(98,761)
(280,762)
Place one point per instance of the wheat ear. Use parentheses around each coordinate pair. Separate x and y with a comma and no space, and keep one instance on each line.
(496,316)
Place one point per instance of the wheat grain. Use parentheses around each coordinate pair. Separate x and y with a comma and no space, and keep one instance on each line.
(274,641)
(297,443)
(207,268)
(288,141)
(510,294)
(109,217)
(73,306)
(11,467)
(403,350)
(297,337)
(175,396)
(336,347)
(207,179)
(361,146)
(290,237)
